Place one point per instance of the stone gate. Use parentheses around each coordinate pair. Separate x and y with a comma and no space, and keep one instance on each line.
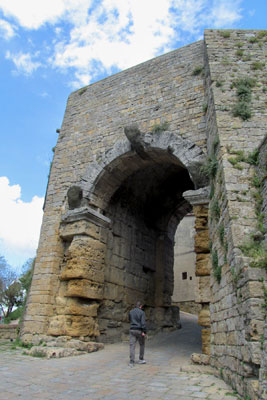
(136,152)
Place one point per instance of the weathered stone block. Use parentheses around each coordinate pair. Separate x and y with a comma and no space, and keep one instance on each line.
(203,359)
(68,231)
(202,242)
(202,289)
(40,309)
(76,307)
(113,292)
(254,330)
(203,264)
(79,271)
(75,326)
(201,211)
(84,288)
(205,336)
(204,318)
(251,289)
(201,223)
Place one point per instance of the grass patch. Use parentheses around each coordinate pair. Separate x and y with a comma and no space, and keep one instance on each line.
(255,250)
(240,157)
(217,270)
(226,61)
(253,39)
(38,354)
(19,343)
(198,70)
(215,209)
(247,57)
(221,234)
(82,91)
(262,34)
(225,34)
(253,158)
(160,127)
(257,65)
(219,84)
(242,108)
(239,53)
(210,167)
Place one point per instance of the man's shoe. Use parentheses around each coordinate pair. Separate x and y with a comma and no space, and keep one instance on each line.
(141,362)
(131,364)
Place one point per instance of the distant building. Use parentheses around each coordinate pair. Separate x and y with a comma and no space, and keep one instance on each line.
(185,265)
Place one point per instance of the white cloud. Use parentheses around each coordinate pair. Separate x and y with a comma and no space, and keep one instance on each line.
(7,30)
(20,222)
(225,13)
(23,62)
(95,37)
(116,34)
(123,33)
(32,14)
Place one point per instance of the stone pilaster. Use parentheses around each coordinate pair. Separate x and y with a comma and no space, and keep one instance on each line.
(200,202)
(82,274)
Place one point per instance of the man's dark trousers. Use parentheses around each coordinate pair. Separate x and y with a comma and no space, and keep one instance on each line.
(136,335)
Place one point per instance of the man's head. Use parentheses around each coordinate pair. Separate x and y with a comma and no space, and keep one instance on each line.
(139,304)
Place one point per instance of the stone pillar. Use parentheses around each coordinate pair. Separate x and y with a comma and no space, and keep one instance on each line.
(164,278)
(82,274)
(199,199)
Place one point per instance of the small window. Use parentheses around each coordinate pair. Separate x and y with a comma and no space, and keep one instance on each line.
(184,275)
(190,278)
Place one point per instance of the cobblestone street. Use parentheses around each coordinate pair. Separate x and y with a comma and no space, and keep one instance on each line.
(106,375)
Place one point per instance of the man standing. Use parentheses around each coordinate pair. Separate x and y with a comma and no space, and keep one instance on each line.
(137,320)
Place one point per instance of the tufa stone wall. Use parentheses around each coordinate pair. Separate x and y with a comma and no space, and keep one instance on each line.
(136,152)
(237,313)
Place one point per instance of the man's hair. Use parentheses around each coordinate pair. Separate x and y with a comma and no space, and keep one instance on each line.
(138,304)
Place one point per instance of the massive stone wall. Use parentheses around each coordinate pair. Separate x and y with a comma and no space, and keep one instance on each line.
(162,90)
(237,313)
(115,197)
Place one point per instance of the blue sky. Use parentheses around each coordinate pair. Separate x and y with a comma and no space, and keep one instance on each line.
(49,49)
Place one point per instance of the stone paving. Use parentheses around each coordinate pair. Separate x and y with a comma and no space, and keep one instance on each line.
(106,375)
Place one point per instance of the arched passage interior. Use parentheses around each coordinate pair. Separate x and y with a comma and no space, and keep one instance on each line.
(143,199)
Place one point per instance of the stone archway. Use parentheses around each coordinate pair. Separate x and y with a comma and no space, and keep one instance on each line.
(119,239)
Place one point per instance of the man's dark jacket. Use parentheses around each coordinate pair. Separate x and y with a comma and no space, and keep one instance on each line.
(137,319)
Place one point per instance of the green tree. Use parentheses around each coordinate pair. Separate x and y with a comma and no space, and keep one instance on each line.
(11,293)
(27,273)
(12,296)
